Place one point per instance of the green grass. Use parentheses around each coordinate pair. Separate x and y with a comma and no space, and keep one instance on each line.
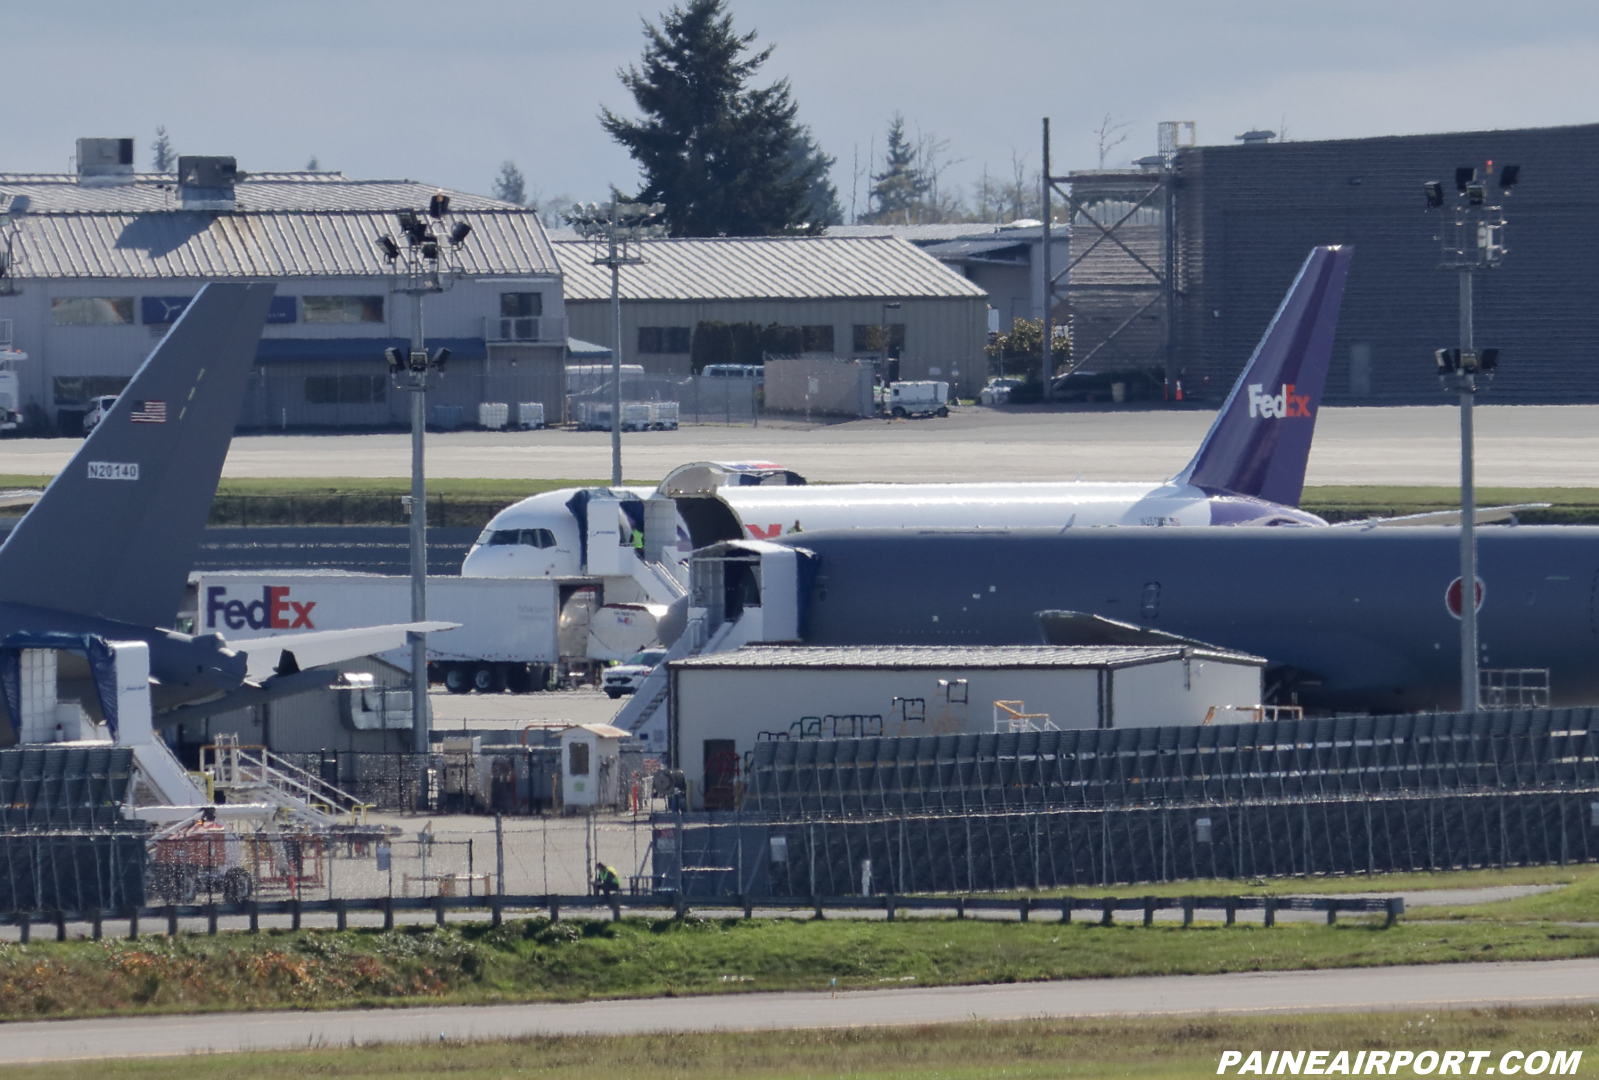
(1149,1049)
(1571,506)
(534,960)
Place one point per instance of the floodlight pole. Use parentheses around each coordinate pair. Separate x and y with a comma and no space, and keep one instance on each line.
(1468,512)
(416,384)
(1047,361)
(616,352)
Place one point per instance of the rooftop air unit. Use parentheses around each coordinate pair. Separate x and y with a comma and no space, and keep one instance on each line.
(103,162)
(206,183)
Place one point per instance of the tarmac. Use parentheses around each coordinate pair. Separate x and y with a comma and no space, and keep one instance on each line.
(1518,446)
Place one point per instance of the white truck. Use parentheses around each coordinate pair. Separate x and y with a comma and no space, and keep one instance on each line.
(508,638)
(917,399)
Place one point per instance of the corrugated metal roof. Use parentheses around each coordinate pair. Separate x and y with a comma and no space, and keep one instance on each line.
(767,268)
(279,244)
(61,193)
(950,656)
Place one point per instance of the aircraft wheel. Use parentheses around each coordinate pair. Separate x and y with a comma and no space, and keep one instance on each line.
(456,681)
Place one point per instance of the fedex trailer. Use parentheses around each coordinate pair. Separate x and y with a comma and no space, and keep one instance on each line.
(507,640)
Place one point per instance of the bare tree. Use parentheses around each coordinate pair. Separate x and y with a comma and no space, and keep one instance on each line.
(1112,133)
(931,162)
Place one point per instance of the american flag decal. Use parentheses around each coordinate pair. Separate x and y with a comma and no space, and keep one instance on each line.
(149,412)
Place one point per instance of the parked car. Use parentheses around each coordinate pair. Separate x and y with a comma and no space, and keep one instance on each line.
(1088,386)
(998,390)
(97,410)
(736,371)
(626,678)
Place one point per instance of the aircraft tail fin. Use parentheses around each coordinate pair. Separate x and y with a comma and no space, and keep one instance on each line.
(1260,441)
(114,535)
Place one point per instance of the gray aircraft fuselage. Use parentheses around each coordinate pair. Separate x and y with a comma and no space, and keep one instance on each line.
(1351,618)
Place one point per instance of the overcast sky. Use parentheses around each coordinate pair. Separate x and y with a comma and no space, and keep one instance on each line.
(444,92)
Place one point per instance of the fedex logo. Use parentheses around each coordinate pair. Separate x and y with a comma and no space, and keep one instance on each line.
(274,611)
(1286,403)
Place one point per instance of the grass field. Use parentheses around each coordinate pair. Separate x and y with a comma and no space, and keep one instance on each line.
(535,960)
(1153,1048)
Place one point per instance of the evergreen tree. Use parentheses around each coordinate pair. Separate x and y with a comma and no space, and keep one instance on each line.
(162,157)
(807,159)
(899,188)
(713,148)
(511,185)
(313,165)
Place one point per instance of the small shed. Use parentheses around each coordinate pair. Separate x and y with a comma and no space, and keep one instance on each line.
(590,766)
(723,703)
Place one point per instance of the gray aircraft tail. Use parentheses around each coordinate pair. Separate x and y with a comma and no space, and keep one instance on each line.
(115,533)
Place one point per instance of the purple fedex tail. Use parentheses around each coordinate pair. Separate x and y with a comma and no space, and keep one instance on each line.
(1260,441)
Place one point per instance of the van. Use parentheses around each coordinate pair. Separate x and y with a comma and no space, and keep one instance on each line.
(736,371)
(98,407)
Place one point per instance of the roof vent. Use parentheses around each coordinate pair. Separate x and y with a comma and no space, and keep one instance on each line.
(206,183)
(1250,138)
(103,162)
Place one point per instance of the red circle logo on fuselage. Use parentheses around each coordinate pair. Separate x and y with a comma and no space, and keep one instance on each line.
(1452,597)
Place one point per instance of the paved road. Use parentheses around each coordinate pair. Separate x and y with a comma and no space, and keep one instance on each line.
(1446,986)
(1517,446)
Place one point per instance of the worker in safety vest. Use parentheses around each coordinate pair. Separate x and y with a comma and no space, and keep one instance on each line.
(606,879)
(638,542)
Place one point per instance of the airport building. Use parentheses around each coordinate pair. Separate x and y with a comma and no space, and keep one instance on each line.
(1247,214)
(827,295)
(99,262)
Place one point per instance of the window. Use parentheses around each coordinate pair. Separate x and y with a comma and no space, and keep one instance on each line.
(78,391)
(519,315)
(538,538)
(577,757)
(91,310)
(521,305)
(816,338)
(869,338)
(345,389)
(664,339)
(343,309)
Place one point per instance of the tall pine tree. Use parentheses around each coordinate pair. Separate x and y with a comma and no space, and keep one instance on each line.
(713,148)
(897,191)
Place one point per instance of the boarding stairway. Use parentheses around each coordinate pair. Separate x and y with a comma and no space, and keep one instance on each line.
(252,774)
(659,583)
(642,708)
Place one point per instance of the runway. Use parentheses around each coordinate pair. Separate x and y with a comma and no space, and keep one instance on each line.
(1519,446)
(1444,986)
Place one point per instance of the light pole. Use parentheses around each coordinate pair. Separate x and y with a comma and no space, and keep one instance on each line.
(421,267)
(1474,243)
(618,230)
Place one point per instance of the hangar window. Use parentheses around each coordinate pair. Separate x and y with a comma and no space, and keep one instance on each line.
(343,309)
(538,538)
(345,389)
(519,315)
(91,310)
(817,338)
(664,339)
(869,338)
(76,391)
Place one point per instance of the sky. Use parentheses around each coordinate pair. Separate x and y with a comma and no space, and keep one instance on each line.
(443,93)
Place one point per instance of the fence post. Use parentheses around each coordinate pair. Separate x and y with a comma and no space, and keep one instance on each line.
(499,859)
(61,925)
(255,917)
(133,924)
(172,921)
(960,907)
(388,913)
(888,905)
(555,910)
(211,919)
(294,913)
(1024,907)
(25,925)
(1107,910)
(438,909)
(817,901)
(1065,909)
(1188,911)
(340,915)
(1149,911)
(94,923)
(495,918)
(1231,907)
(1332,910)
(749,908)
(680,909)
(616,907)
(1271,911)
(1396,908)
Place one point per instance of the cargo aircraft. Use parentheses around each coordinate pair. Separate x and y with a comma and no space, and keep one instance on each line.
(105,552)
(1249,470)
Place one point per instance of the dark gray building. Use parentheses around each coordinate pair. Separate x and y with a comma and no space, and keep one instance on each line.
(1247,215)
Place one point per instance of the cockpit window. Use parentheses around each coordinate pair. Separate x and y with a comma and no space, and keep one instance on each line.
(538,538)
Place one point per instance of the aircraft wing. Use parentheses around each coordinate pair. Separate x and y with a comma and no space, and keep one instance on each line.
(286,654)
(1484,515)
(1081,628)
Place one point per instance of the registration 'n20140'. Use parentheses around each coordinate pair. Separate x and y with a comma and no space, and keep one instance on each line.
(113,470)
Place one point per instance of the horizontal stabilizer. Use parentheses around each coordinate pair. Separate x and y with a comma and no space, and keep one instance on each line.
(288,653)
(247,696)
(1484,515)
(1081,628)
